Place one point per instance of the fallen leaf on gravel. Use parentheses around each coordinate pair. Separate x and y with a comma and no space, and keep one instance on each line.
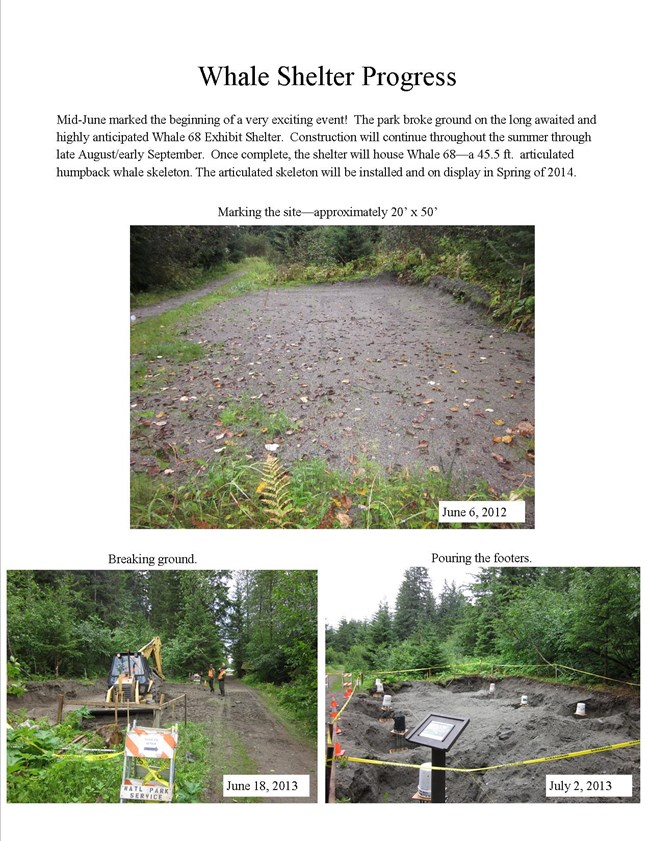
(304,399)
(345,381)
(498,422)
(271,447)
(524,428)
(219,437)
(160,415)
(489,410)
(434,468)
(220,450)
(500,460)
(160,423)
(426,402)
(454,409)
(502,439)
(168,472)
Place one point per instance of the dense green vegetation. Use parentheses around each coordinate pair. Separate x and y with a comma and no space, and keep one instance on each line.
(492,265)
(238,493)
(49,763)
(586,619)
(69,624)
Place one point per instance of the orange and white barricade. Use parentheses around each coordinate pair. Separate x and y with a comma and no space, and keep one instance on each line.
(148,773)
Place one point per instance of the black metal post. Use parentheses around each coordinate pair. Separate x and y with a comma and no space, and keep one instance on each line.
(439,759)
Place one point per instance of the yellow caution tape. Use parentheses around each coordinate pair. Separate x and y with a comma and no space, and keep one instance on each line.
(495,767)
(152,774)
(580,671)
(496,666)
(97,757)
(340,712)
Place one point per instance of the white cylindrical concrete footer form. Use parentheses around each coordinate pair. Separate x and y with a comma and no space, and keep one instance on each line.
(581,710)
(491,689)
(524,701)
(424,782)
(388,699)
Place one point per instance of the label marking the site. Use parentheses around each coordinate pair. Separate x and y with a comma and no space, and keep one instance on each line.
(511,511)
(587,785)
(266,785)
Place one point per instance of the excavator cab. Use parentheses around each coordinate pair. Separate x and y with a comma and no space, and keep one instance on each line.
(132,678)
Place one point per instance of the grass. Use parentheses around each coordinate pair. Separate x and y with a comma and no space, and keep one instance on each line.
(230,494)
(230,756)
(294,706)
(46,765)
(240,415)
(490,669)
(165,337)
(196,280)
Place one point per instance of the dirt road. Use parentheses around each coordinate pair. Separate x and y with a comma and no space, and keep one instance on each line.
(246,738)
(184,298)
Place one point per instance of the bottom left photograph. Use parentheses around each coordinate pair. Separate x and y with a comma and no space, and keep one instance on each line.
(170,686)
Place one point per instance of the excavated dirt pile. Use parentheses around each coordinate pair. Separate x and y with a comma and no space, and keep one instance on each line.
(500,731)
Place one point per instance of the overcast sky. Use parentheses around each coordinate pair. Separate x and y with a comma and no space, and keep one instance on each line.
(356,595)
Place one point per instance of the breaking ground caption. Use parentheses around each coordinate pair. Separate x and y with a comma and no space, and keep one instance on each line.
(585,785)
(266,785)
(512,511)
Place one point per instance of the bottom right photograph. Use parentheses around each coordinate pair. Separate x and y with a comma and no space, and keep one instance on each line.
(484,686)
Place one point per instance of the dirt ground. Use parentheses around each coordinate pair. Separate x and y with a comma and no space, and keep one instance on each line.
(238,724)
(179,300)
(500,731)
(403,375)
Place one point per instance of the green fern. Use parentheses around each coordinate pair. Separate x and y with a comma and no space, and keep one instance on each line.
(275,493)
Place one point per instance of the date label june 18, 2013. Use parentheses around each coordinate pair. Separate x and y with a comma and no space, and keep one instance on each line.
(266,785)
(510,511)
(589,785)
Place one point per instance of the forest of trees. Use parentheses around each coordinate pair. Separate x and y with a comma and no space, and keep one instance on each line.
(585,618)
(69,624)
(500,259)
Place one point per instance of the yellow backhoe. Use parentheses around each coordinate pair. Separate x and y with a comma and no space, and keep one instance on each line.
(133,677)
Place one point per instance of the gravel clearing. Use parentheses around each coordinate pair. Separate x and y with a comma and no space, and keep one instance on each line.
(402,375)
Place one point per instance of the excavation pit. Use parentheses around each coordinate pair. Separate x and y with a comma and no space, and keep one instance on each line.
(500,732)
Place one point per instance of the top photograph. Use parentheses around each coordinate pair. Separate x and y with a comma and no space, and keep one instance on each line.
(332,377)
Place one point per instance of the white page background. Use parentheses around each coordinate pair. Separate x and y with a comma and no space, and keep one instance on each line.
(66,291)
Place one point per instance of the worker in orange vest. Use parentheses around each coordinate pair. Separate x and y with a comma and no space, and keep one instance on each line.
(221,678)
(211,677)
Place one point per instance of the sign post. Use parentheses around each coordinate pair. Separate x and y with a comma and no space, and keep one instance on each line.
(438,732)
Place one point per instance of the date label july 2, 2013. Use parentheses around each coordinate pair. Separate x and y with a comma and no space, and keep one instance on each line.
(589,785)
(510,511)
(266,785)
